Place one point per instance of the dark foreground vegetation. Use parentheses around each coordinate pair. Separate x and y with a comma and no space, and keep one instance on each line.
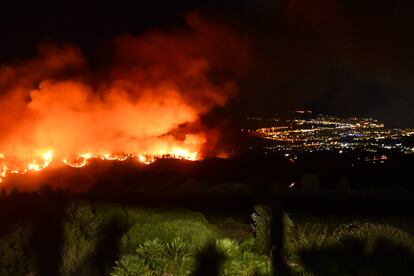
(208,218)
(84,238)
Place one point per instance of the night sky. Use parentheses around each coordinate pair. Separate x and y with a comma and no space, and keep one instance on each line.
(348,57)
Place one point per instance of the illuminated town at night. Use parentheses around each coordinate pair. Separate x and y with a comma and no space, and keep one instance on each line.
(331,133)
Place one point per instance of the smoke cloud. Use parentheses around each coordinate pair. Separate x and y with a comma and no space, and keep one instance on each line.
(148,100)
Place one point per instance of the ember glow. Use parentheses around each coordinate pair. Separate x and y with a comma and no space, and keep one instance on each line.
(147,104)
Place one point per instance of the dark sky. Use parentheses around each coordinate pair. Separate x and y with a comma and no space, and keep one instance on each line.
(348,57)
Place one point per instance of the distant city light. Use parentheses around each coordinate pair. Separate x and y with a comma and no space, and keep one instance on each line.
(330,133)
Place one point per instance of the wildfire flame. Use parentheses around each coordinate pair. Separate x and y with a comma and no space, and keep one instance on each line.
(147,104)
(83,159)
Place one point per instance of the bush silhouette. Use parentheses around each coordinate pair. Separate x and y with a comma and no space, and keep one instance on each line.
(362,249)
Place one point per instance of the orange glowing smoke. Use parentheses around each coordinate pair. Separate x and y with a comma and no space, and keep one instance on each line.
(147,104)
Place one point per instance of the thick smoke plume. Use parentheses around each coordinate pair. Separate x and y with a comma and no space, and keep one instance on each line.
(147,101)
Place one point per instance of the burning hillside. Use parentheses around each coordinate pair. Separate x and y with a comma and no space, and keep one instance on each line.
(147,104)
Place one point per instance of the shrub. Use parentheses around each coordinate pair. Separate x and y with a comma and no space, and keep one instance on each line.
(85,217)
(262,223)
(227,247)
(178,249)
(155,257)
(197,233)
(144,215)
(247,263)
(300,270)
(240,260)
(362,248)
(232,228)
(76,249)
(81,232)
(14,257)
(371,233)
(247,245)
(130,265)
(288,228)
(308,235)
(262,219)
(152,253)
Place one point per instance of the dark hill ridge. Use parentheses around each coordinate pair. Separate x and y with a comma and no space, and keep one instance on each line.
(251,173)
(124,173)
